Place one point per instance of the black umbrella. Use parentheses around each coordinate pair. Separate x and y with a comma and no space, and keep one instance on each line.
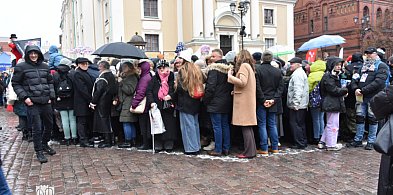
(120,50)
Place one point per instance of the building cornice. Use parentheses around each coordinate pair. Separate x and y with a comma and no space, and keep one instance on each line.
(278,1)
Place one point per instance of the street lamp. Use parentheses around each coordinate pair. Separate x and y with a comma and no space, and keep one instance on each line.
(242,8)
(364,22)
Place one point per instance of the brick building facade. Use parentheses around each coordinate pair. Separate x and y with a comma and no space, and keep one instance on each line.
(313,18)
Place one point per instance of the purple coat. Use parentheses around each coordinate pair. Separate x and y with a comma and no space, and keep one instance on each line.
(141,87)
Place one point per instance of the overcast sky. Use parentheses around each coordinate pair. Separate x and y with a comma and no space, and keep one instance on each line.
(31,19)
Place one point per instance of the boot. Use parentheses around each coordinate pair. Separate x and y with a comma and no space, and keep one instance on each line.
(30,135)
(48,150)
(146,145)
(126,144)
(74,141)
(107,143)
(41,157)
(67,142)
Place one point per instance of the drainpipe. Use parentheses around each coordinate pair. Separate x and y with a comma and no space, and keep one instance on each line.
(94,26)
(73,20)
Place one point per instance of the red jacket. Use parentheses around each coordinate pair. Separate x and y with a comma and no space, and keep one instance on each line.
(15,51)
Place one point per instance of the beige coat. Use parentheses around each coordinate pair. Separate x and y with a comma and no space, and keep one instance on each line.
(244,97)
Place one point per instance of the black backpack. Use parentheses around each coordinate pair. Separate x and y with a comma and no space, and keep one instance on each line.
(64,89)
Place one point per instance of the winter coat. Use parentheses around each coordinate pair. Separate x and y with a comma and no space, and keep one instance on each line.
(54,57)
(103,91)
(350,69)
(184,102)
(297,97)
(126,92)
(154,87)
(218,98)
(333,100)
(375,81)
(83,85)
(142,85)
(270,86)
(317,71)
(61,74)
(244,96)
(33,80)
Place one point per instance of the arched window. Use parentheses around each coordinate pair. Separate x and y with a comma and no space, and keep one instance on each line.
(379,17)
(366,11)
(387,19)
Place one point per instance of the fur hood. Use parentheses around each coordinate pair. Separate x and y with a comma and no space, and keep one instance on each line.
(219,67)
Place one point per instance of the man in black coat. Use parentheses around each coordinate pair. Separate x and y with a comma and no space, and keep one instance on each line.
(33,83)
(371,79)
(83,86)
(270,86)
(218,100)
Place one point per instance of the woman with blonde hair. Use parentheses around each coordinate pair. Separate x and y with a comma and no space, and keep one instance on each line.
(244,100)
(189,90)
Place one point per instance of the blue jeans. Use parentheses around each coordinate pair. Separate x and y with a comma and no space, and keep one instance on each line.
(269,119)
(68,120)
(318,123)
(362,110)
(189,126)
(4,189)
(129,131)
(222,137)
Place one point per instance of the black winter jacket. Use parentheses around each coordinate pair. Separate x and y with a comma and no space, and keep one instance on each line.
(184,102)
(331,88)
(154,87)
(33,80)
(270,85)
(62,74)
(218,98)
(375,81)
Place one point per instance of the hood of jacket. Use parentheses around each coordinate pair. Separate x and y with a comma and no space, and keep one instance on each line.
(53,49)
(94,67)
(145,68)
(357,57)
(62,68)
(331,62)
(317,66)
(219,67)
(31,48)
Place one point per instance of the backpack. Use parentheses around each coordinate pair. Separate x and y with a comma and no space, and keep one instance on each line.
(64,89)
(315,97)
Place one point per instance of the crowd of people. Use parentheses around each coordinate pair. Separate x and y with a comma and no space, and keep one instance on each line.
(204,101)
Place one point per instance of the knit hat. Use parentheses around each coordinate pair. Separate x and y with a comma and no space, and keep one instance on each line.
(186,55)
(257,56)
(230,56)
(65,61)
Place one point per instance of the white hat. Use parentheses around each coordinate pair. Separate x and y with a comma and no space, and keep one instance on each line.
(230,56)
(186,54)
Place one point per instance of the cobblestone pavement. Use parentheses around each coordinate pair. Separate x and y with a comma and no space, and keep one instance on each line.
(75,170)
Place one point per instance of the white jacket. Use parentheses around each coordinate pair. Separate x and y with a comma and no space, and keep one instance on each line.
(297,97)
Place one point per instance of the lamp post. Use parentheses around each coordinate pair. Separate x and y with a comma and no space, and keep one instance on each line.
(364,21)
(243,7)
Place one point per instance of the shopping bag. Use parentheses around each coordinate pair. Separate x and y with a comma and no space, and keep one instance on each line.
(156,123)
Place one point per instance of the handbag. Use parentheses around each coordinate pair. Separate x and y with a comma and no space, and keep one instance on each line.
(140,108)
(384,142)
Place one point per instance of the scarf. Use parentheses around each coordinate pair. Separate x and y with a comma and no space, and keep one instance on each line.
(164,88)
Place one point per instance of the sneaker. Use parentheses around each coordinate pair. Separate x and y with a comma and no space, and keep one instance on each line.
(369,146)
(211,146)
(335,148)
(321,145)
(41,157)
(48,150)
(355,144)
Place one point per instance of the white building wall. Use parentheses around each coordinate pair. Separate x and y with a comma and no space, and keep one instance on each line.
(117,21)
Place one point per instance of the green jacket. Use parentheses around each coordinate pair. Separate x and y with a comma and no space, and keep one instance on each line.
(317,70)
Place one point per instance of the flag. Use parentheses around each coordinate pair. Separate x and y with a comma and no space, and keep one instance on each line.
(21,44)
(311,55)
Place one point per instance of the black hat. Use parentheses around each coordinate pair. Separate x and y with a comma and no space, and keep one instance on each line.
(295,60)
(162,63)
(13,36)
(257,56)
(81,60)
(370,50)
